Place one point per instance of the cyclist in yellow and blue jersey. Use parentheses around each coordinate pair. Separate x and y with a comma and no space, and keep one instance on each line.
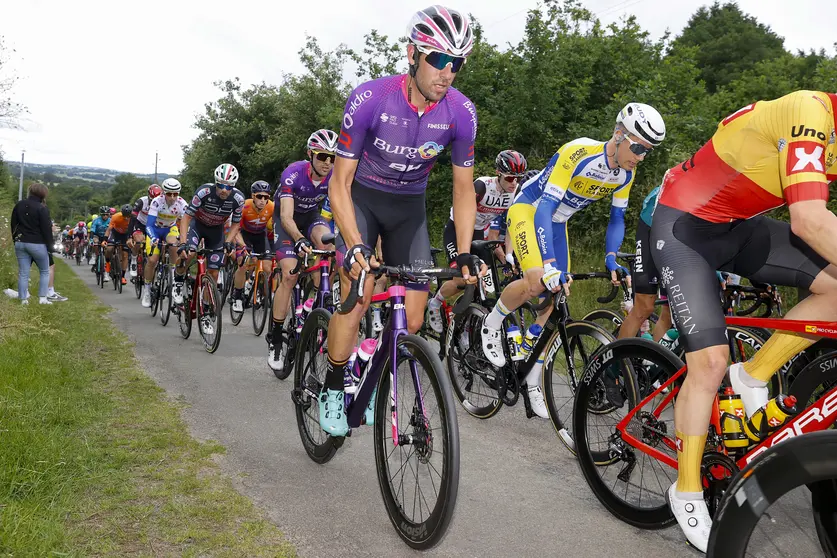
(581,172)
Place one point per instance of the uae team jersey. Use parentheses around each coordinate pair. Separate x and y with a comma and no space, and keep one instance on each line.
(394,146)
(492,201)
(141,207)
(766,155)
(296,183)
(575,177)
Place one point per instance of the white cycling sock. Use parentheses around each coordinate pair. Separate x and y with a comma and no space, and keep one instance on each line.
(495,319)
(533,378)
(439,296)
(51,291)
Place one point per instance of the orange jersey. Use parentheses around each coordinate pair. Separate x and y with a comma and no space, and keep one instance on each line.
(768,154)
(254,221)
(120,223)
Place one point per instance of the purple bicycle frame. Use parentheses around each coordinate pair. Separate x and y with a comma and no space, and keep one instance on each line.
(372,373)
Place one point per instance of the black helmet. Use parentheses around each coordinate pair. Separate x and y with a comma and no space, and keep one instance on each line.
(126,209)
(104,210)
(529,174)
(510,162)
(260,186)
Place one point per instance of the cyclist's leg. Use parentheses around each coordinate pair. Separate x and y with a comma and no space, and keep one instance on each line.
(317,227)
(645,280)
(792,263)
(284,247)
(450,288)
(213,240)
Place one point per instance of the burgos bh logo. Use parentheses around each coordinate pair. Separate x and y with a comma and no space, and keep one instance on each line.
(429,150)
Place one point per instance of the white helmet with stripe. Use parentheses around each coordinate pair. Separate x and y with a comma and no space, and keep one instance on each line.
(226,174)
(171,186)
(323,140)
(441,29)
(643,121)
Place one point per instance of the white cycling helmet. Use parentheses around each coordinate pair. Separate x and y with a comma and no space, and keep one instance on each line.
(226,174)
(323,140)
(643,121)
(172,185)
(440,29)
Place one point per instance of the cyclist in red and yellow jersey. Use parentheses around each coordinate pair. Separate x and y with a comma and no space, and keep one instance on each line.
(254,236)
(766,155)
(117,233)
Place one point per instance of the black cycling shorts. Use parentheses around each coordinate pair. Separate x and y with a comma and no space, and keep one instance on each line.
(449,238)
(118,238)
(213,239)
(140,227)
(258,244)
(644,276)
(305,222)
(401,222)
(687,250)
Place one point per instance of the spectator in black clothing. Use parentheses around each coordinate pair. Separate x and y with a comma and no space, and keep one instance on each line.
(32,233)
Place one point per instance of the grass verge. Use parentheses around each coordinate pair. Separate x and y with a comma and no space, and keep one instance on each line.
(94,459)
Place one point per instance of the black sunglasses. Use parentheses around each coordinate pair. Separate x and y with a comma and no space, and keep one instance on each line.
(637,148)
(323,157)
(261,196)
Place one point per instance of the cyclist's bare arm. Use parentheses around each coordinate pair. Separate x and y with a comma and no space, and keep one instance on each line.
(286,215)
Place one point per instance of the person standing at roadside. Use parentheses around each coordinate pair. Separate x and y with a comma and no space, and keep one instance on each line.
(32,234)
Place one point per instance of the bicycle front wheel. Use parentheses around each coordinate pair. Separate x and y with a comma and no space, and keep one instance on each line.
(164,296)
(419,475)
(261,302)
(209,313)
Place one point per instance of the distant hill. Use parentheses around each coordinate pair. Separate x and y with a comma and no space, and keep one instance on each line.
(70,172)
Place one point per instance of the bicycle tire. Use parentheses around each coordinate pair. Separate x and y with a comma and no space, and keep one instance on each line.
(608,319)
(260,306)
(235,317)
(117,282)
(209,289)
(164,297)
(807,459)
(824,502)
(428,532)
(577,331)
(751,337)
(138,280)
(184,315)
(471,317)
(319,445)
(156,287)
(814,380)
(595,463)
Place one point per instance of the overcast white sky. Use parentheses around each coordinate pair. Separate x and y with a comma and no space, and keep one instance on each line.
(107,83)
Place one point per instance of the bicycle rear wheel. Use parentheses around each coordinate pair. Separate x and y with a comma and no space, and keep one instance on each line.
(117,272)
(608,319)
(138,280)
(209,313)
(260,303)
(309,378)
(427,454)
(628,482)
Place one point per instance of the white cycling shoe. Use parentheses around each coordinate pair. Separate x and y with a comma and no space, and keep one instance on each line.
(492,345)
(754,398)
(692,516)
(434,315)
(146,296)
(177,293)
(536,401)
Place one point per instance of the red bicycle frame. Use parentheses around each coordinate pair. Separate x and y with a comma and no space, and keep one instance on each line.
(818,416)
(193,305)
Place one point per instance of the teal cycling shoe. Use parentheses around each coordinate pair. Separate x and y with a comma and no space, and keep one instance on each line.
(369,413)
(332,412)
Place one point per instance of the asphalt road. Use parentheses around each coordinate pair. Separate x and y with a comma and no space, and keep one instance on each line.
(521,493)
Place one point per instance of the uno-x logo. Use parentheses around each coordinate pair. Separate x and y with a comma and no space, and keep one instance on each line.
(805,156)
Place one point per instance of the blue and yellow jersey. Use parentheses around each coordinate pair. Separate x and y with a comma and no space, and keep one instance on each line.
(576,176)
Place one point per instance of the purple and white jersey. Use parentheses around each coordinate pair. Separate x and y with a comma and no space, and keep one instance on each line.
(296,183)
(211,210)
(395,147)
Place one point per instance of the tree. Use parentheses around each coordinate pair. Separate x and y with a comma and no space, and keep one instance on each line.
(123,190)
(730,42)
(10,111)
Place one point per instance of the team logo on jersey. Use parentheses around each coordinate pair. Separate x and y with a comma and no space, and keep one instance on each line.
(805,156)
(430,149)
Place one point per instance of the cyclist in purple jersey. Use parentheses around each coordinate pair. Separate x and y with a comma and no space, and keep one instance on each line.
(205,216)
(394,128)
(299,226)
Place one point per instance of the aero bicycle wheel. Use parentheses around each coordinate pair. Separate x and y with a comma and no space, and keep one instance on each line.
(261,299)
(117,271)
(608,319)
(164,297)
(184,311)
(628,482)
(309,378)
(288,343)
(235,317)
(473,378)
(564,364)
(209,313)
(139,279)
(419,477)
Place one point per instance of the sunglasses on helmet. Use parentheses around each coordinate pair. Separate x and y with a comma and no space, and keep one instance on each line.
(440,60)
(637,148)
(323,156)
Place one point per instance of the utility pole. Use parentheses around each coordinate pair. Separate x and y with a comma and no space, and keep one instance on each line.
(20,189)
(155,166)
